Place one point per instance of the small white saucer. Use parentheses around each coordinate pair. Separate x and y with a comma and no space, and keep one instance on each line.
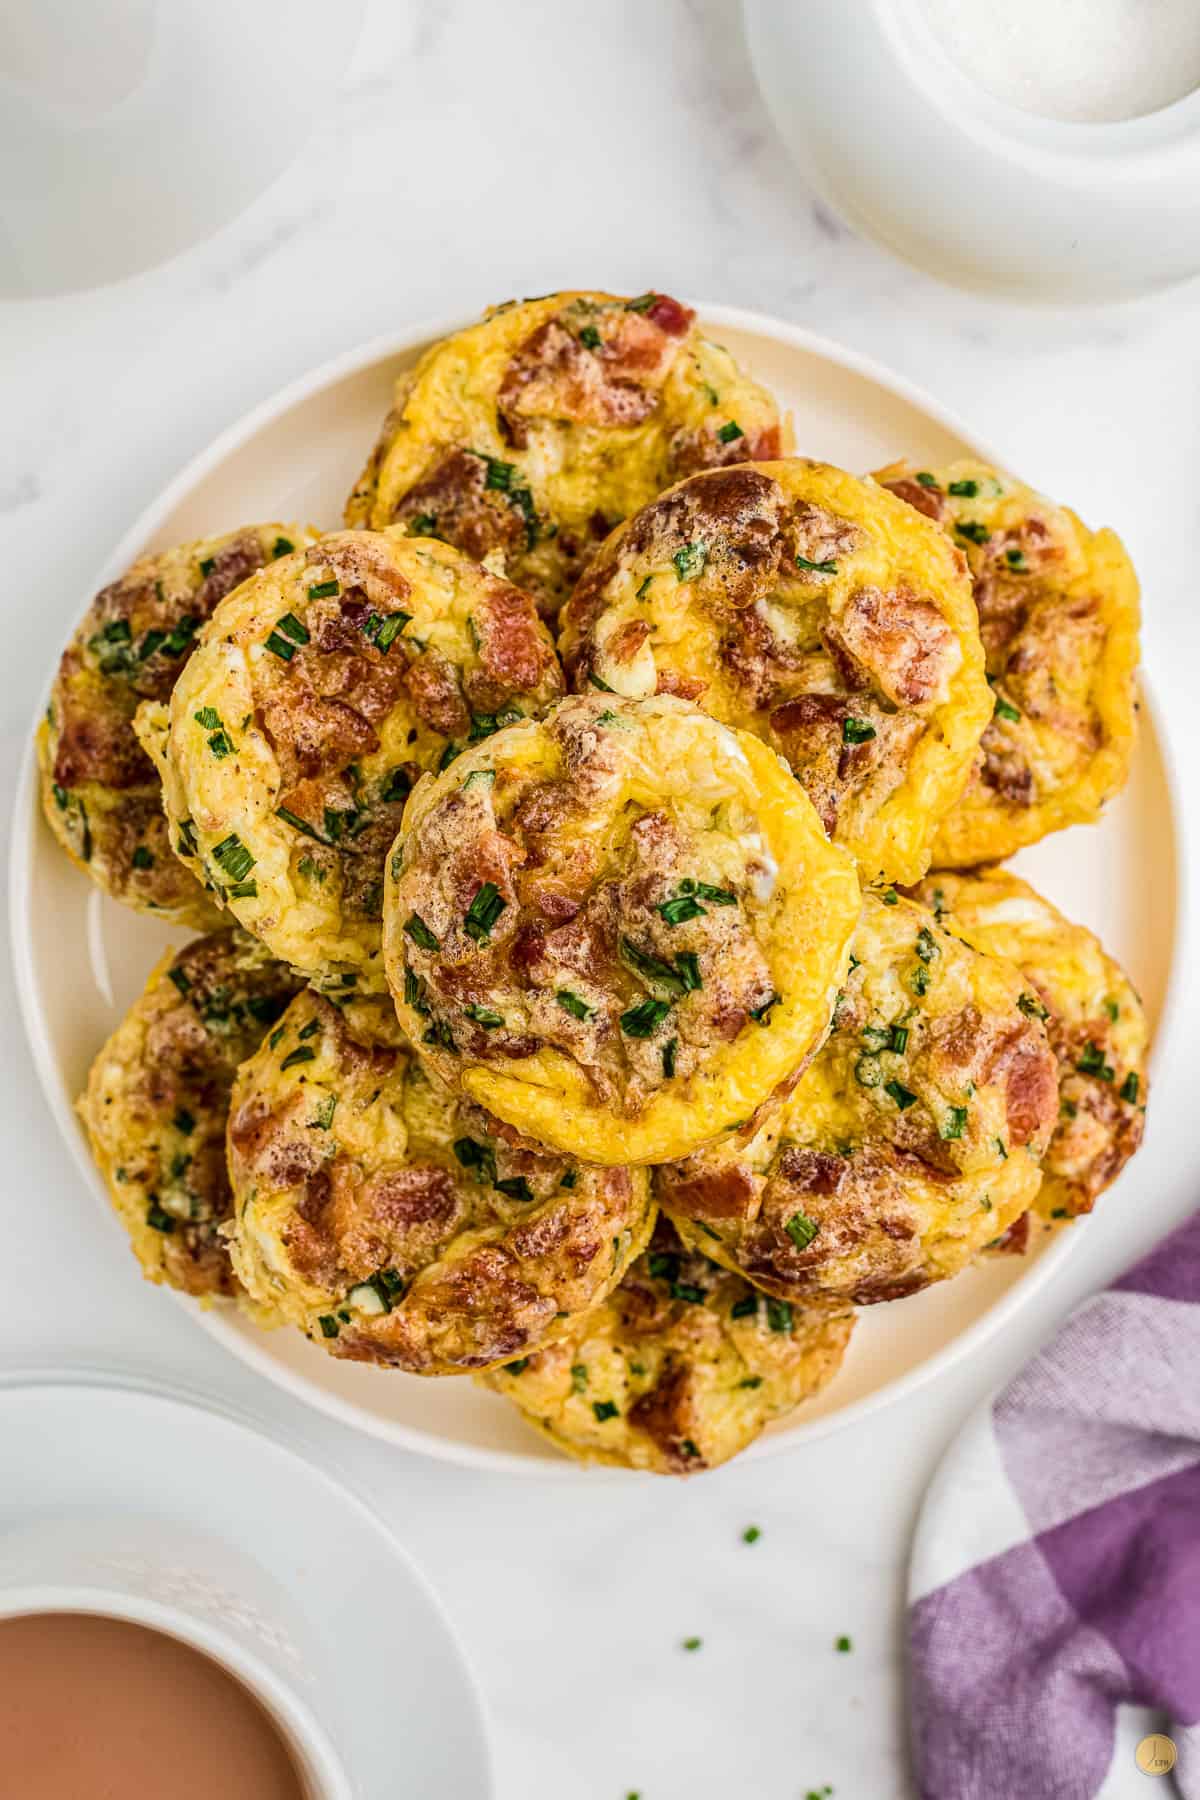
(397,1697)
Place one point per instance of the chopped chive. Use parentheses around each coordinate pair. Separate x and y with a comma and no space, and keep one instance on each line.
(963,490)
(422,525)
(329,1325)
(1129,1088)
(668,1058)
(1006,710)
(679,910)
(209,717)
(745,1308)
(448,755)
(480,778)
(517,1368)
(298,824)
(816,568)
(323,1117)
(483,1015)
(843,1645)
(751,1534)
(643,1020)
(762,1014)
(890,897)
(590,338)
(152,642)
(857,731)
(663,1265)
(728,434)
(158,1219)
(142,858)
(569,1179)
(233,857)
(1113,1010)
(221,745)
(480,1157)
(1091,1062)
(184,1122)
(641,593)
(690,560)
(279,646)
(926,479)
(689,1292)
(571,1003)
(515,1186)
(688,964)
(654,969)
(579,1377)
(719,896)
(900,1094)
(595,681)
(302,1054)
(416,928)
(954,1124)
(309,1030)
(242,890)
(207,565)
(604,1409)
(876,1037)
(180,979)
(1014,558)
(642,304)
(323,590)
(898,1039)
(779,1314)
(926,947)
(282,547)
(483,912)
(802,1230)
(972,531)
(1032,1007)
(292,627)
(275,1037)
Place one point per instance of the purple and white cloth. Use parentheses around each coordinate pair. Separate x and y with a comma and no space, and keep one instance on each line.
(1056,1569)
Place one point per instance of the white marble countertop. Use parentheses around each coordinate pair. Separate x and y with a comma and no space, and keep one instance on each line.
(474,152)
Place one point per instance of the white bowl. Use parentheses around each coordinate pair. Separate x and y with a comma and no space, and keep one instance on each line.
(914,153)
(80,959)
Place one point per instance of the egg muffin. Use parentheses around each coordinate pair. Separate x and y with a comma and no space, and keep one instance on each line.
(681,1367)
(398,1224)
(1093,1016)
(100,794)
(529,436)
(813,609)
(315,698)
(1059,613)
(157,1101)
(913,1140)
(617,928)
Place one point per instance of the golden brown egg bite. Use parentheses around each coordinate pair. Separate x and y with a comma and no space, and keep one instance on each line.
(1059,613)
(400,1225)
(157,1101)
(1093,1016)
(912,1141)
(679,1369)
(100,794)
(530,435)
(794,601)
(316,696)
(618,927)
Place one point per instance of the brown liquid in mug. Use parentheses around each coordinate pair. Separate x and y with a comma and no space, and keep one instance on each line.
(111,1711)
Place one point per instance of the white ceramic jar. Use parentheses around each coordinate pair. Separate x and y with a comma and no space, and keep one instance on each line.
(914,153)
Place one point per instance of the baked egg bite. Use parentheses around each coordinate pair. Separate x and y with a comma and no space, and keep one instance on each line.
(618,927)
(1059,612)
(530,435)
(157,1101)
(100,794)
(913,1140)
(316,696)
(395,1222)
(815,610)
(1093,1017)
(679,1369)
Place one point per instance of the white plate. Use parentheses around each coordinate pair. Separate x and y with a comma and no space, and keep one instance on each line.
(395,1692)
(80,959)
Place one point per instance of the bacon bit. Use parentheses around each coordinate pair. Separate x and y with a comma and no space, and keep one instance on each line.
(929,501)
(515,648)
(726,1193)
(670,316)
(903,642)
(1025,1064)
(555,376)
(1015,1241)
(627,640)
(670,1416)
(465,513)
(684,687)
(433,687)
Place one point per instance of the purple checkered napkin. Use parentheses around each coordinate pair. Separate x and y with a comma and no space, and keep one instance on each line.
(1056,1569)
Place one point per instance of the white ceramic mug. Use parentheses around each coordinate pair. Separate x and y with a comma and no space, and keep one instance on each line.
(190,1587)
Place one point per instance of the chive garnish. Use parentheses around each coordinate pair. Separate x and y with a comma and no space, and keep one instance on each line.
(209,717)
(595,681)
(728,434)
(302,1054)
(323,590)
(279,646)
(751,1534)
(972,531)
(926,947)
(762,1014)
(158,1219)
(474,1155)
(816,568)
(1006,710)
(690,560)
(680,909)
(515,1186)
(668,1058)
(963,490)
(141,858)
(926,479)
(589,337)
(1129,1088)
(954,1124)
(779,1314)
(1091,1062)
(483,912)
(890,897)
(483,1015)
(329,1325)
(571,1003)
(416,928)
(857,731)
(900,1094)
(309,1030)
(604,1409)
(242,890)
(298,824)
(323,1117)
(282,547)
(233,857)
(184,1122)
(802,1230)
(745,1308)
(898,1039)
(659,973)
(686,1290)
(843,1644)
(517,1368)
(643,1020)
(1032,1007)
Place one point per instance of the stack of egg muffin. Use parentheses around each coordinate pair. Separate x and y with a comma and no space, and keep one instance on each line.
(608,982)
